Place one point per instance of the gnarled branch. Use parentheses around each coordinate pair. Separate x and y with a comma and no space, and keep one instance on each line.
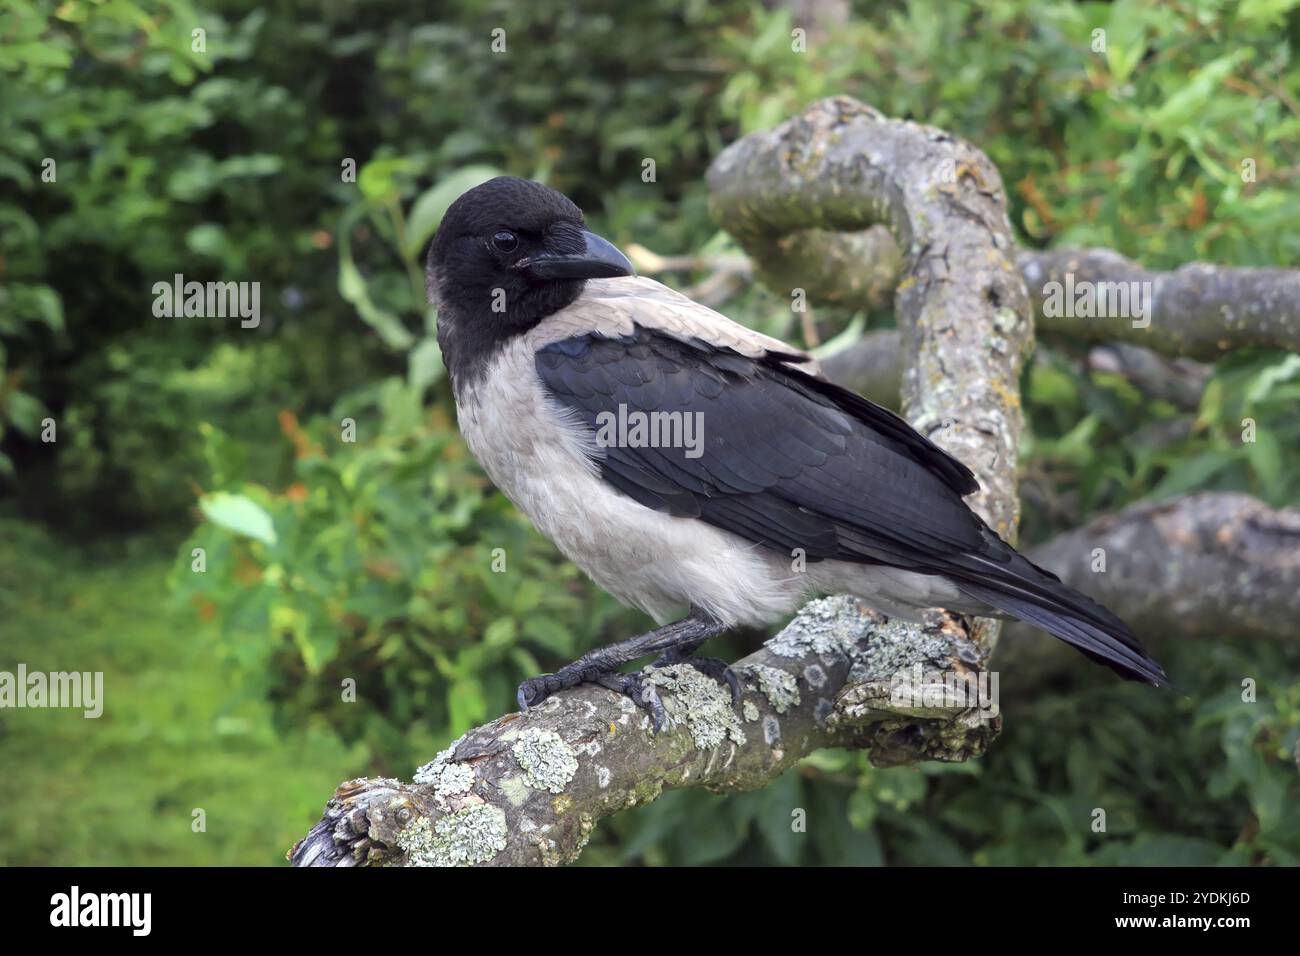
(527,790)
(1196,311)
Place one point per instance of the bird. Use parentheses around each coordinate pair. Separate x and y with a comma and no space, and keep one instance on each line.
(699,470)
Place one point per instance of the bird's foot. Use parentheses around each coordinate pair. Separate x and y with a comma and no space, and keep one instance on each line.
(633,686)
(641,692)
(536,689)
(719,670)
(672,642)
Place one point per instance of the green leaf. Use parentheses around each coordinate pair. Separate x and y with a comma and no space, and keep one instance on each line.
(352,286)
(1189,101)
(776,816)
(240,514)
(1258,13)
(24,412)
(424,364)
(378,178)
(839,842)
(1191,474)
(1262,385)
(1265,454)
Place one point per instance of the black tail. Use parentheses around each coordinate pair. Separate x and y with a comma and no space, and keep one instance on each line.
(1016,586)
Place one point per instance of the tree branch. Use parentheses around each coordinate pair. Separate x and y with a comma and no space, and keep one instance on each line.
(1198,310)
(529,789)
(873,366)
(962,308)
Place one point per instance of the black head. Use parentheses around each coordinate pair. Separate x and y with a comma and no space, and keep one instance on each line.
(507,254)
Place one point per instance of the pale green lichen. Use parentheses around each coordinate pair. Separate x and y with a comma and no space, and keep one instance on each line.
(700,702)
(548,762)
(431,771)
(779,687)
(874,646)
(456,778)
(825,627)
(750,710)
(894,646)
(447,779)
(473,835)
(515,789)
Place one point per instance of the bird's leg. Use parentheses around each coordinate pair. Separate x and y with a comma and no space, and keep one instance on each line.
(601,665)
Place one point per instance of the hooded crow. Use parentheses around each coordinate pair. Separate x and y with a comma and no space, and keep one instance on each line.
(689,464)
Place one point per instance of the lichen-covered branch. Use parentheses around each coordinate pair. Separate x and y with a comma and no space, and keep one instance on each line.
(529,789)
(873,366)
(1197,311)
(1202,565)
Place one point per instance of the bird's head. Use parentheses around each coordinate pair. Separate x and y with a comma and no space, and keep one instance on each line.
(509,253)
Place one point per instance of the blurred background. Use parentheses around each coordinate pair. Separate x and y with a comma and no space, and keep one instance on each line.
(325,559)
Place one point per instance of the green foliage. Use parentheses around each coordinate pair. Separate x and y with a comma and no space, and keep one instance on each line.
(178,731)
(1098,443)
(387,561)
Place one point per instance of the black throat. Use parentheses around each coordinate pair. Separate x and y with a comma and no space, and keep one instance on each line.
(471,333)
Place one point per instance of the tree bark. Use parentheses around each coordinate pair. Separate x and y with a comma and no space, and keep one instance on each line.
(873,366)
(1197,311)
(529,789)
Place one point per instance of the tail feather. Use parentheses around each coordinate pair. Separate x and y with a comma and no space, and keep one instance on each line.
(1025,591)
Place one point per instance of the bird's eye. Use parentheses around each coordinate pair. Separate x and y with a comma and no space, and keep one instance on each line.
(505,241)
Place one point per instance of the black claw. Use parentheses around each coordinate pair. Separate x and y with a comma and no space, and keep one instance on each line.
(535,690)
(733,683)
(720,671)
(642,693)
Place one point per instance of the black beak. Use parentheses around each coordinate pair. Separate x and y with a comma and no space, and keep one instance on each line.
(599,260)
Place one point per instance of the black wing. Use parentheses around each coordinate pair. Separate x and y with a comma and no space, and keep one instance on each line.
(788,460)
